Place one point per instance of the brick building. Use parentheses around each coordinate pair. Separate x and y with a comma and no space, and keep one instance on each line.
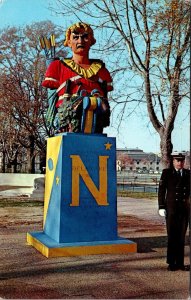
(136,160)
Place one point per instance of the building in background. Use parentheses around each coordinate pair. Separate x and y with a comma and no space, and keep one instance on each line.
(136,160)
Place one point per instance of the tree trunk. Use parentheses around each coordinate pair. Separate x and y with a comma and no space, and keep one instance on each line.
(42,162)
(31,156)
(166,147)
(3,162)
(15,165)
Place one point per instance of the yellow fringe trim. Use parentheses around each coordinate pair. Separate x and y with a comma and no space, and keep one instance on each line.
(86,73)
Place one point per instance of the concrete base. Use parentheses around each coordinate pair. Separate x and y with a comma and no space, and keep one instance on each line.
(50,248)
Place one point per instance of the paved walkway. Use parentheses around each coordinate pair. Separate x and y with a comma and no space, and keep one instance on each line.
(26,274)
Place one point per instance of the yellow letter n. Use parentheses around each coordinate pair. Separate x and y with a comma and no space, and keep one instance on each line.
(79,169)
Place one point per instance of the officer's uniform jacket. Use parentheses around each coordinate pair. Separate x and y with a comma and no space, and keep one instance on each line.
(174,190)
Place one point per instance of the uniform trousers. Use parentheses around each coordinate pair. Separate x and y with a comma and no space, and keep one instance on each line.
(177,224)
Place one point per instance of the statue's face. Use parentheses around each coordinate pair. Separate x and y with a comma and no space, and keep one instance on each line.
(80,42)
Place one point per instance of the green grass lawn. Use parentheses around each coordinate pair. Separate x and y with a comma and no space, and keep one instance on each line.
(137,195)
(12,202)
(28,202)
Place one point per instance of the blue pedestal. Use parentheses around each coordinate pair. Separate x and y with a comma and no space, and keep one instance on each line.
(80,196)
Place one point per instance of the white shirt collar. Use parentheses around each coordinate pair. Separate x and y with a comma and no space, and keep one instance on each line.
(179,170)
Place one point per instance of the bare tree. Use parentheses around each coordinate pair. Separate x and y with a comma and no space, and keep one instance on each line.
(147,44)
(9,145)
(125,160)
(21,95)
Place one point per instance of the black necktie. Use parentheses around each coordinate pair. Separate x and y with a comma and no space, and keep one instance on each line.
(179,173)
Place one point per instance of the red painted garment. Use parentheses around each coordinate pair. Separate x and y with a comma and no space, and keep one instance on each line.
(59,71)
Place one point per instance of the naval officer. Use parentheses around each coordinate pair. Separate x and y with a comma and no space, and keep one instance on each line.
(174,205)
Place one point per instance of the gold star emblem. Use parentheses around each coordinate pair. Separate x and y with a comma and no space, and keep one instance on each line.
(108,146)
(57,180)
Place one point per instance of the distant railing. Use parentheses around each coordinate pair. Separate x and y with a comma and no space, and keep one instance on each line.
(138,182)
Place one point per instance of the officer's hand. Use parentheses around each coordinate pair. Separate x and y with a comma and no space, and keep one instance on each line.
(162,212)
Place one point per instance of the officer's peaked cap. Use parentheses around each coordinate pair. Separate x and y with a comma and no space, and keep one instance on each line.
(178,155)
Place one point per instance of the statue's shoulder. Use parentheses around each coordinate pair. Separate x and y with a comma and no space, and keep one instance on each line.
(98,61)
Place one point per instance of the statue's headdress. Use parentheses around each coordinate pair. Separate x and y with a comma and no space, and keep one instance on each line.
(75,28)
